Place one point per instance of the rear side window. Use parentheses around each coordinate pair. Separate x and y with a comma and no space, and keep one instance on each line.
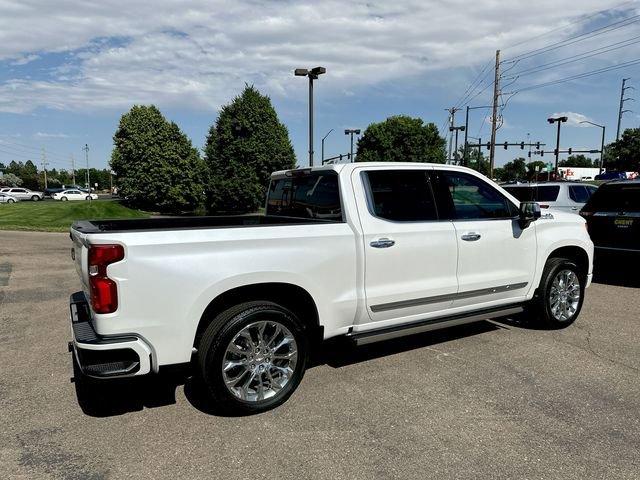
(578,193)
(543,193)
(400,195)
(315,195)
(616,198)
(471,198)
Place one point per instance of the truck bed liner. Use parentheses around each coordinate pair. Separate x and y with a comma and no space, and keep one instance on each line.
(185,223)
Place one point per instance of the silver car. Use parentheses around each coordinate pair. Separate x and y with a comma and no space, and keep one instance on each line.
(565,196)
(6,198)
(23,193)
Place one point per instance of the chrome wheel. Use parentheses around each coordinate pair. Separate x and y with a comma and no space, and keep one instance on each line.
(259,361)
(564,296)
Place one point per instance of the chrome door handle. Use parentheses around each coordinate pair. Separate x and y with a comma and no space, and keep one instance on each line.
(382,243)
(574,208)
(471,237)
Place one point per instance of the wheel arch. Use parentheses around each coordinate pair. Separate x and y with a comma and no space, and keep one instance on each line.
(575,253)
(290,296)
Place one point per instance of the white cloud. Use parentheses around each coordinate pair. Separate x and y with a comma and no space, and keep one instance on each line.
(50,135)
(573,118)
(199,53)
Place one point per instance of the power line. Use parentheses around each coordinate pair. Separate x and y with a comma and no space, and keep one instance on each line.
(473,84)
(564,27)
(15,145)
(581,75)
(579,38)
(577,57)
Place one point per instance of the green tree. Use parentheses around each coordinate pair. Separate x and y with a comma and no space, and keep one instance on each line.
(578,160)
(401,139)
(514,170)
(157,166)
(29,176)
(535,168)
(10,180)
(245,145)
(475,159)
(624,155)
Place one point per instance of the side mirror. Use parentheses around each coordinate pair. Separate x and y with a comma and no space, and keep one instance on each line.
(529,212)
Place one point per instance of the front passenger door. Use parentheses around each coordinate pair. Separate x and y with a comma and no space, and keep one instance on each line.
(496,258)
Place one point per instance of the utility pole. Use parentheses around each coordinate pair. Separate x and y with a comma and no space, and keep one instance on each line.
(494,117)
(73,170)
(351,131)
(86,156)
(452,116)
(559,121)
(622,100)
(44,167)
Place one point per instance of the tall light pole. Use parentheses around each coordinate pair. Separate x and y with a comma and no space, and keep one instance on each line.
(601,143)
(457,129)
(313,75)
(323,144)
(559,121)
(351,131)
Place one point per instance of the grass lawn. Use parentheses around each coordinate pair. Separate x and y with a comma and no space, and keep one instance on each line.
(50,216)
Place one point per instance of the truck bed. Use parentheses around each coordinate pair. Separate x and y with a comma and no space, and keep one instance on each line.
(186,223)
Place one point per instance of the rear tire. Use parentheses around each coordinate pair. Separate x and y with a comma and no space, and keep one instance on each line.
(560,296)
(87,197)
(35,198)
(63,199)
(252,357)
(11,200)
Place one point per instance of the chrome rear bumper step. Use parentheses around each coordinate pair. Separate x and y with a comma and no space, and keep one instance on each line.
(389,333)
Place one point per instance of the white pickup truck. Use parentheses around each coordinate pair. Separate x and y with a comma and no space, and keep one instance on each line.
(368,251)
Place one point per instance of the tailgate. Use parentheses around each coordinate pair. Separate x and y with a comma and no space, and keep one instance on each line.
(79,253)
(616,230)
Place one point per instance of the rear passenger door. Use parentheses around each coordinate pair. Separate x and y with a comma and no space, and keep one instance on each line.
(410,256)
(496,258)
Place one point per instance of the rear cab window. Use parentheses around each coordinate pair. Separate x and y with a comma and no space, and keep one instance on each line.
(540,193)
(313,195)
(615,197)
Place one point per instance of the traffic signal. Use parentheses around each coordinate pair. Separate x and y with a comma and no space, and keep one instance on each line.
(529,154)
(555,151)
(506,145)
(488,145)
(570,149)
(537,145)
(522,146)
(542,153)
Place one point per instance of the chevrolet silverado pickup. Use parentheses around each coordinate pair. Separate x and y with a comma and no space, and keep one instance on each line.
(366,251)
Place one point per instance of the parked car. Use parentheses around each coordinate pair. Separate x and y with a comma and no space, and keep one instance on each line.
(6,198)
(613,216)
(566,196)
(51,190)
(366,251)
(611,175)
(74,195)
(23,193)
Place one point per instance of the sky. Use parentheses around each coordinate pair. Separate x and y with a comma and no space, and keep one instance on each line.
(70,69)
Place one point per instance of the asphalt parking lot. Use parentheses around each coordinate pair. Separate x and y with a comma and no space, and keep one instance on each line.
(490,400)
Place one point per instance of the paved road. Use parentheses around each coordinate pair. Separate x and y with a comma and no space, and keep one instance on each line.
(491,400)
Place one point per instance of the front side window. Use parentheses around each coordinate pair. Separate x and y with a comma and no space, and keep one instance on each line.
(314,195)
(401,195)
(471,198)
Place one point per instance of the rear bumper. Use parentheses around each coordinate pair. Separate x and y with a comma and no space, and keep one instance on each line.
(105,356)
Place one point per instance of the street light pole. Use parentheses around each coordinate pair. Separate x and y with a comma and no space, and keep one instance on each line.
(312,74)
(466,130)
(559,121)
(601,143)
(351,131)
(322,142)
(457,129)
(86,156)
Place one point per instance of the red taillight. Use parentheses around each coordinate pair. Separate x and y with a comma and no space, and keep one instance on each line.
(585,213)
(104,291)
(542,205)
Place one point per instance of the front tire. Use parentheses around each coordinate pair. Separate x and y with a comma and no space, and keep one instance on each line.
(11,200)
(63,199)
(560,295)
(35,198)
(252,357)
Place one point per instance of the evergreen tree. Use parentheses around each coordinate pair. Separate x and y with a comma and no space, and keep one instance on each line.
(157,166)
(246,144)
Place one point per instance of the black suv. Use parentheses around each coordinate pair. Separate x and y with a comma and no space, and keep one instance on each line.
(613,216)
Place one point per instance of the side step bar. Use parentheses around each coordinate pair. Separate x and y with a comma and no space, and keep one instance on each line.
(382,334)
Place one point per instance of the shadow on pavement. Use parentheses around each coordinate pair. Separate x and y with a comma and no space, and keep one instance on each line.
(117,397)
(621,270)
